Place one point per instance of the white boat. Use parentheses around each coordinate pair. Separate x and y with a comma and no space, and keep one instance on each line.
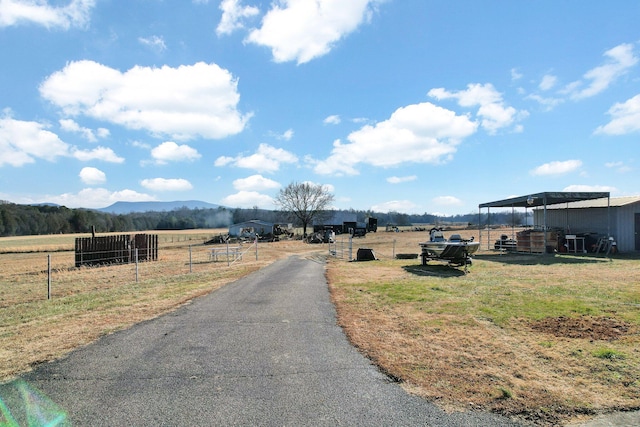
(455,250)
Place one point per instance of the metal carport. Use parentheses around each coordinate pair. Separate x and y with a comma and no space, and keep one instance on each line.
(541,199)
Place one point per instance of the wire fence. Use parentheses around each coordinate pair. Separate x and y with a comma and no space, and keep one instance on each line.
(35,276)
(347,248)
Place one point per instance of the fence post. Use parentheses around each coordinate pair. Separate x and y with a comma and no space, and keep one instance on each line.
(256,247)
(136,265)
(394,249)
(190,261)
(49,276)
(350,247)
(228,262)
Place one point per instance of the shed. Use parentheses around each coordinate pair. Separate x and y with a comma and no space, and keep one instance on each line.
(619,218)
(249,229)
(543,200)
(338,221)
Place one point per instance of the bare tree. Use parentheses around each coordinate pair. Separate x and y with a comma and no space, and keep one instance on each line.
(304,201)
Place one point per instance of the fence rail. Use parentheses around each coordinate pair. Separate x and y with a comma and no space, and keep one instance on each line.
(35,276)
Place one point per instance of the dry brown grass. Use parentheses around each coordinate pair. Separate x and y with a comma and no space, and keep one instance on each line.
(89,302)
(492,339)
(545,339)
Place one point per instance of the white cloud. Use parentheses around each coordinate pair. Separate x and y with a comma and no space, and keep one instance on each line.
(266,159)
(494,113)
(92,176)
(587,188)
(547,82)
(332,120)
(248,199)
(232,16)
(23,142)
(401,179)
(99,153)
(548,103)
(70,125)
(74,14)
(625,118)
(302,30)
(155,43)
(515,74)
(418,133)
(183,102)
(286,136)
(402,206)
(256,183)
(620,167)
(619,60)
(169,151)
(94,198)
(447,201)
(164,184)
(557,167)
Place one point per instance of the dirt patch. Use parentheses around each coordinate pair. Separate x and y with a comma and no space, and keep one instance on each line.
(586,327)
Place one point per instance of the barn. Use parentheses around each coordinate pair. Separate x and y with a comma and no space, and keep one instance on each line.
(618,217)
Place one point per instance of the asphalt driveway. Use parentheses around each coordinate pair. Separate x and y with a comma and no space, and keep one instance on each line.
(265,351)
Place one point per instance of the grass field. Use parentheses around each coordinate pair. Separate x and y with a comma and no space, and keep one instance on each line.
(544,338)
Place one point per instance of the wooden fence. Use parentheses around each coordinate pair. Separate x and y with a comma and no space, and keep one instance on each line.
(116,249)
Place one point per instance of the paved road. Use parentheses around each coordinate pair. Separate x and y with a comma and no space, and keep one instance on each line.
(263,351)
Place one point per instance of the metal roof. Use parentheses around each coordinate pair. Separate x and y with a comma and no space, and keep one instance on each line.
(598,203)
(545,199)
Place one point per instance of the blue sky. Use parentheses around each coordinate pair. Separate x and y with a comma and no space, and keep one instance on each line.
(411,106)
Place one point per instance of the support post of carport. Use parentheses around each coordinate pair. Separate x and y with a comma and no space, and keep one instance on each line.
(544,227)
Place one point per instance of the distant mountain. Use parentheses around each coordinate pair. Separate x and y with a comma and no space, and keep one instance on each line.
(129,207)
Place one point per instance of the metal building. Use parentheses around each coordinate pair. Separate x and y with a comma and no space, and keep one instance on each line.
(249,229)
(618,217)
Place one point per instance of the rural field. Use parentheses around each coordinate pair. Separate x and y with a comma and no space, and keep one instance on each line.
(548,339)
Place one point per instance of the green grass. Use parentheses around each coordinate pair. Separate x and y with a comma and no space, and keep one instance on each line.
(502,292)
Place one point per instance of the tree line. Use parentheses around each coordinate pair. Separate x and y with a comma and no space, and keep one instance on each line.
(22,220)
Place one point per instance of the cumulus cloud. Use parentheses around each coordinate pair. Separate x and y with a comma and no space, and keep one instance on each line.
(625,118)
(169,151)
(618,62)
(75,14)
(255,183)
(233,15)
(70,125)
(92,176)
(418,133)
(248,199)
(186,102)
(164,184)
(302,30)
(332,120)
(266,159)
(492,110)
(99,153)
(557,167)
(401,179)
(95,198)
(23,142)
